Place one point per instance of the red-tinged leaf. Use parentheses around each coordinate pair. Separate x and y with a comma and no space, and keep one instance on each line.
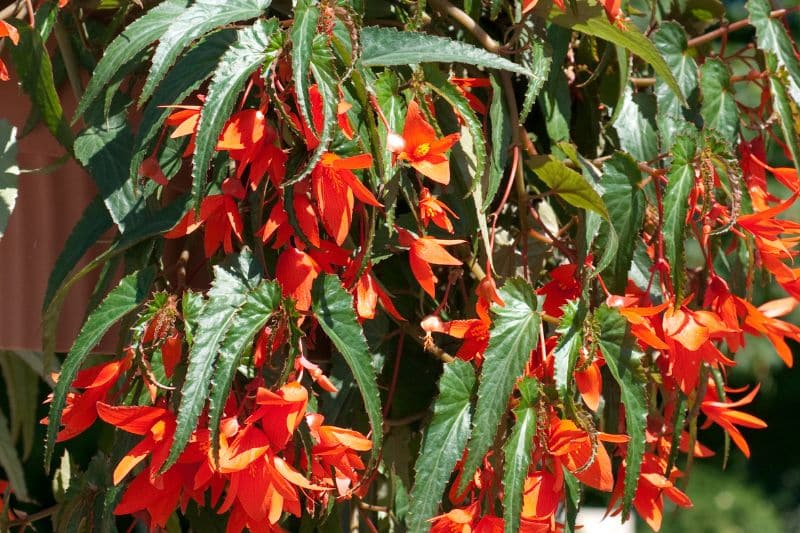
(151,169)
(133,419)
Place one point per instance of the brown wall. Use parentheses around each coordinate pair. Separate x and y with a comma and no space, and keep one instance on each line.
(47,208)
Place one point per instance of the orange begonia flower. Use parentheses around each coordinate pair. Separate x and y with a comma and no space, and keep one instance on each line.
(368,292)
(650,490)
(277,223)
(431,209)
(185,122)
(296,271)
(562,287)
(336,452)
(252,143)
(723,414)
(7,30)
(156,424)
(334,188)
(81,407)
(219,213)
(422,150)
(422,253)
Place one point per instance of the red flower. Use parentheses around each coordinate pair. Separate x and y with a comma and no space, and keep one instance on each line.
(368,292)
(252,142)
(422,150)
(651,489)
(317,116)
(7,30)
(334,187)
(278,221)
(466,520)
(431,209)
(219,213)
(464,86)
(572,447)
(280,412)
(424,251)
(723,414)
(185,122)
(562,287)
(81,407)
(475,333)
(336,453)
(155,423)
(589,381)
(296,271)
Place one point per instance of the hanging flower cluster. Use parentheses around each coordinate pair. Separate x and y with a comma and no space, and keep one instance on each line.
(325,224)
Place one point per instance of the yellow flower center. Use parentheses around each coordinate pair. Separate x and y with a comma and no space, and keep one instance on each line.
(422,150)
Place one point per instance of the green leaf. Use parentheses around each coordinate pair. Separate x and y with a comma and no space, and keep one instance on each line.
(253,316)
(568,184)
(501,141)
(555,100)
(535,57)
(625,201)
(517,459)
(237,64)
(719,109)
(623,360)
(126,47)
(442,86)
(386,47)
(322,69)
(514,334)
(9,460)
(124,298)
(22,391)
(636,125)
(565,355)
(35,71)
(387,91)
(772,38)
(333,308)
(9,173)
(232,282)
(443,443)
(670,40)
(783,107)
(203,16)
(145,227)
(181,81)
(304,29)
(573,492)
(592,20)
(104,149)
(94,222)
(676,205)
